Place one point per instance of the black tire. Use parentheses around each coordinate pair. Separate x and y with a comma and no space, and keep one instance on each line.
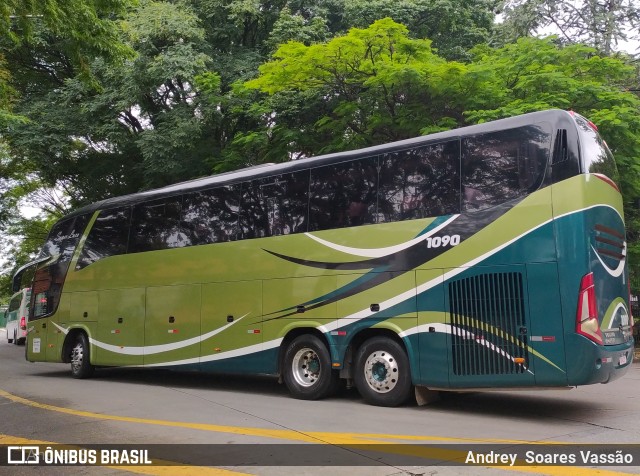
(307,369)
(382,375)
(79,357)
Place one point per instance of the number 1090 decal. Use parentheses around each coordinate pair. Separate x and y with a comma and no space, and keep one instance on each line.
(446,240)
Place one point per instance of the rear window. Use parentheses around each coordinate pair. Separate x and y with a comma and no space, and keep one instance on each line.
(595,154)
(15,302)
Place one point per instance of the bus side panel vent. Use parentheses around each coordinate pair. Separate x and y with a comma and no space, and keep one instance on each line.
(487,315)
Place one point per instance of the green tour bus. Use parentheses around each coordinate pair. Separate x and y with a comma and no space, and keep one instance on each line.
(490,256)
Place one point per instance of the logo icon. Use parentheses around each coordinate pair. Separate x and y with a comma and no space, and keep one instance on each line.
(23,455)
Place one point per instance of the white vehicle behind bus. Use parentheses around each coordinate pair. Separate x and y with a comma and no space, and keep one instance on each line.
(17,316)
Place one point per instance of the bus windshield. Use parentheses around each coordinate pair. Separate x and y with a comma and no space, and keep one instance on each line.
(48,280)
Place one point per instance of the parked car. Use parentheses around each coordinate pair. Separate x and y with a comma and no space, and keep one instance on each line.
(17,316)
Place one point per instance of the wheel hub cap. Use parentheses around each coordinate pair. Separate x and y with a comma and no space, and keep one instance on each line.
(76,357)
(381,371)
(306,367)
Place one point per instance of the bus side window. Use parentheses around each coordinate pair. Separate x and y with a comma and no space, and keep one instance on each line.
(109,236)
(211,216)
(155,225)
(253,222)
(420,182)
(275,205)
(295,207)
(285,200)
(344,194)
(503,165)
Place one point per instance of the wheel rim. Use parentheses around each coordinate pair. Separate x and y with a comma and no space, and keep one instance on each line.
(381,371)
(77,356)
(306,367)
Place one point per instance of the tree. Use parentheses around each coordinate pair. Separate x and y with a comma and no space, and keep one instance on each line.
(372,85)
(453,26)
(242,35)
(141,129)
(42,44)
(80,29)
(378,85)
(598,23)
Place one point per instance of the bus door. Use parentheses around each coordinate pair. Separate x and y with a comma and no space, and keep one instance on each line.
(489,320)
(42,333)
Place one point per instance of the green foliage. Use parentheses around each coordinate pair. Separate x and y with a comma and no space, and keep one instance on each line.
(453,26)
(534,74)
(295,27)
(86,27)
(141,129)
(369,86)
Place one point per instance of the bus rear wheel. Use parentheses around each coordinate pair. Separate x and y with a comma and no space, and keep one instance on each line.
(307,369)
(382,374)
(80,364)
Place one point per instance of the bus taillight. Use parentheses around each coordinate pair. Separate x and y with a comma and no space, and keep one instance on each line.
(587,316)
(606,179)
(23,323)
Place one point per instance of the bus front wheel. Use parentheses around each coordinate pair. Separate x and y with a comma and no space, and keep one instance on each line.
(382,374)
(307,369)
(80,364)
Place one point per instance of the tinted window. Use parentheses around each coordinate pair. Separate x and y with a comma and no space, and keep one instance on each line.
(421,182)
(343,194)
(253,214)
(275,205)
(108,236)
(48,280)
(293,203)
(63,238)
(500,166)
(211,216)
(156,226)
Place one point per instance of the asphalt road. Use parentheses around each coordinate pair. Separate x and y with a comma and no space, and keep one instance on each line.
(234,425)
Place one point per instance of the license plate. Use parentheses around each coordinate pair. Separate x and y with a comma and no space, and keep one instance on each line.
(622,360)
